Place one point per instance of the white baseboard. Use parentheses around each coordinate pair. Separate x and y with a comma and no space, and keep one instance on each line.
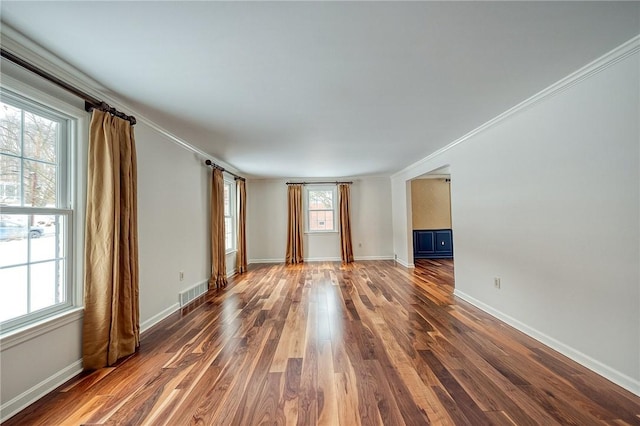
(321,259)
(629,383)
(373,258)
(252,261)
(158,317)
(405,264)
(36,392)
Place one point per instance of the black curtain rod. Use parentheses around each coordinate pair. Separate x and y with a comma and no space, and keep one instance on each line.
(90,103)
(222,169)
(319,183)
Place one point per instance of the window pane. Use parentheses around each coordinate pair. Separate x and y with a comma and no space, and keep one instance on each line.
(13,292)
(9,181)
(39,184)
(328,220)
(228,233)
(40,135)
(320,199)
(47,242)
(321,220)
(227,201)
(14,245)
(46,284)
(10,129)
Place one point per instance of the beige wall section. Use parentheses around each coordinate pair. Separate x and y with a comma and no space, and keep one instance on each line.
(431,204)
(371,230)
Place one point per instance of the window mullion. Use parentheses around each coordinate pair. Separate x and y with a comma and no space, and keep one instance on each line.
(29,220)
(57,297)
(21,157)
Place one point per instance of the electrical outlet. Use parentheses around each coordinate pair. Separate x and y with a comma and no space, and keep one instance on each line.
(181,275)
(360,245)
(496,282)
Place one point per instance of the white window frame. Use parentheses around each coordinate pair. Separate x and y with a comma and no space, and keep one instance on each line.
(232,215)
(307,210)
(69,189)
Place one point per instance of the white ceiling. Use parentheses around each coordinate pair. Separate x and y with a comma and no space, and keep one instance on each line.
(324,89)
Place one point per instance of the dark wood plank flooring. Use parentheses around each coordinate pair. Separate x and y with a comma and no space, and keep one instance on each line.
(321,343)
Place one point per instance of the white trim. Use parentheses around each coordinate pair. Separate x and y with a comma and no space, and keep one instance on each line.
(33,330)
(612,57)
(322,259)
(356,258)
(321,232)
(31,395)
(231,273)
(252,261)
(19,45)
(41,97)
(145,326)
(621,379)
(405,264)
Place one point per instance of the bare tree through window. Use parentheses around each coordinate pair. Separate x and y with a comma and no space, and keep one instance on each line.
(34,217)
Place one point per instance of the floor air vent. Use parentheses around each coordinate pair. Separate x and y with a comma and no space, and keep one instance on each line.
(192,293)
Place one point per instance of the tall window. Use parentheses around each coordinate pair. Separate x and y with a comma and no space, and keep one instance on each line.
(321,209)
(35,211)
(229,216)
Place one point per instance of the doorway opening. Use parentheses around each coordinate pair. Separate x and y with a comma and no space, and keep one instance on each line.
(431,222)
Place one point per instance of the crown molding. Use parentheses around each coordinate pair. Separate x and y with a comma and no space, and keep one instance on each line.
(605,61)
(18,44)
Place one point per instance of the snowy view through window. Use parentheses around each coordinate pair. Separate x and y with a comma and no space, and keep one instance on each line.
(32,228)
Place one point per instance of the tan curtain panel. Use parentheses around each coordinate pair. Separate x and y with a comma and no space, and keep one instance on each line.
(218,249)
(294,234)
(241,254)
(111,328)
(346,248)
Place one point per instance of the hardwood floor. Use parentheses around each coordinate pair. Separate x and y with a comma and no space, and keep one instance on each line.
(320,343)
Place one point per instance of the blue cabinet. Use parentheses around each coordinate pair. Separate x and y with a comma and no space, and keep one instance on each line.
(432,244)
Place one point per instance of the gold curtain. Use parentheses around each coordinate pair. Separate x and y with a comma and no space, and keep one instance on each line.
(294,234)
(218,249)
(241,254)
(346,248)
(111,325)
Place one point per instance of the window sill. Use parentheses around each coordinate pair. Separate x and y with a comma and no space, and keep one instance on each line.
(31,331)
(228,252)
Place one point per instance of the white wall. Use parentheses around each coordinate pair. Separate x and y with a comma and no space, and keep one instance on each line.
(370,222)
(401,221)
(548,200)
(173,209)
